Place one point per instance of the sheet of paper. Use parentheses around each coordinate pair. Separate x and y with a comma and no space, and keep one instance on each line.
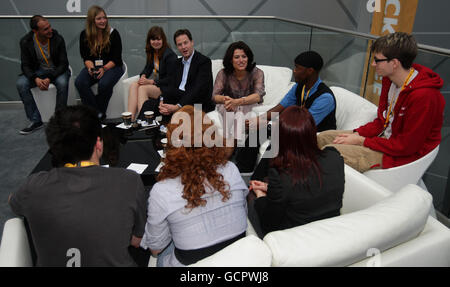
(137,167)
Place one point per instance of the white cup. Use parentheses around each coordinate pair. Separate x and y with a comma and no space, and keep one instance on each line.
(126,117)
(149,116)
(164,142)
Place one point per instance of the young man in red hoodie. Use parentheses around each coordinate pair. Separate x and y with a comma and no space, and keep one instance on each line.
(410,111)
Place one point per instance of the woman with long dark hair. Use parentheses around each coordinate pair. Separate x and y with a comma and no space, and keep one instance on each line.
(155,76)
(101,50)
(199,202)
(304,183)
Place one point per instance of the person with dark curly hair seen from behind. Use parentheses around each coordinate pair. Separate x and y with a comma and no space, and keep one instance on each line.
(304,184)
(79,207)
(198,206)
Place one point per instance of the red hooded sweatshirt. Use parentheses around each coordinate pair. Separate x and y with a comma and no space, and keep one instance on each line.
(418,118)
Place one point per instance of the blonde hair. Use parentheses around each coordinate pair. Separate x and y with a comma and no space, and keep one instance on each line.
(92,32)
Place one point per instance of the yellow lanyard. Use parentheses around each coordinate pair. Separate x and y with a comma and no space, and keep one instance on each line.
(80,164)
(40,48)
(392,100)
(155,64)
(303,94)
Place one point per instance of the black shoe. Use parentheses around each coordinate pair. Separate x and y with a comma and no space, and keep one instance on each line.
(31,128)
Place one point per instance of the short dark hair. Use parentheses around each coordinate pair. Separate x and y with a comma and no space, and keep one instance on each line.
(35,20)
(72,134)
(399,45)
(182,32)
(228,58)
(310,59)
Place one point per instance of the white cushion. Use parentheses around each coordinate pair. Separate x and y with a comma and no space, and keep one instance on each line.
(249,251)
(277,81)
(352,110)
(345,239)
(216,66)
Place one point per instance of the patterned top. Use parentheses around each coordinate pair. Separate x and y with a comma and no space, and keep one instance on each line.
(229,85)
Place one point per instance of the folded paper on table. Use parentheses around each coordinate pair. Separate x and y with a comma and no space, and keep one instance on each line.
(137,167)
(122,126)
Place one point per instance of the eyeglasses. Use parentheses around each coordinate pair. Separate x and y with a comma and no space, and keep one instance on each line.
(380,60)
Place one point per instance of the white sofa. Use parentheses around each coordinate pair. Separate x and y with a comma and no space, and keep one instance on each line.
(277,82)
(117,105)
(376,228)
(395,227)
(46,100)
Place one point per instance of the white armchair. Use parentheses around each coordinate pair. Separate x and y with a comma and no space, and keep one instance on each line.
(14,247)
(277,82)
(352,110)
(46,100)
(376,228)
(396,177)
(116,105)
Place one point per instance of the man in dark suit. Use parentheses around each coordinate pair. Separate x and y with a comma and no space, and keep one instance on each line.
(192,80)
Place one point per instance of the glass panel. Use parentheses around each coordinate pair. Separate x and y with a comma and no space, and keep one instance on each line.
(436,176)
(344,57)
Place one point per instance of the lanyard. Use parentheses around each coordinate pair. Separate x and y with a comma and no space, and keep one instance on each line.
(396,98)
(80,164)
(303,94)
(40,48)
(155,64)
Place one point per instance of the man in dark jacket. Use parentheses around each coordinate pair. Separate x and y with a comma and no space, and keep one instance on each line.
(192,80)
(44,61)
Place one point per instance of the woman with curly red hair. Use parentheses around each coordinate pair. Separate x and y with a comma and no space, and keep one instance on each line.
(198,206)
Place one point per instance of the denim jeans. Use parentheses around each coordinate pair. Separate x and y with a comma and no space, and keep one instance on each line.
(166,252)
(106,84)
(24,86)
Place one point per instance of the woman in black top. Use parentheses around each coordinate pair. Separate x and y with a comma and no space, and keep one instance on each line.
(304,183)
(101,50)
(155,76)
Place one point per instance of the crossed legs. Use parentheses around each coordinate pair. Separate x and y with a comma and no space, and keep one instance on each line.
(359,157)
(138,94)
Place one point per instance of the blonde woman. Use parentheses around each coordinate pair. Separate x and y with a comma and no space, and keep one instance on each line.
(101,50)
(155,76)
